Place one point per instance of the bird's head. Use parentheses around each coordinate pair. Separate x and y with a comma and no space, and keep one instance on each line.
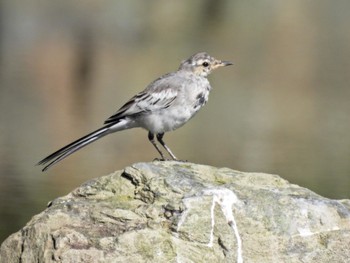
(202,64)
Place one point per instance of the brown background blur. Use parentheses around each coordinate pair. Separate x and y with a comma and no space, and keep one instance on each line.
(65,66)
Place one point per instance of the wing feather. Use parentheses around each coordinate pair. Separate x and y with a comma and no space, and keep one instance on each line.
(157,96)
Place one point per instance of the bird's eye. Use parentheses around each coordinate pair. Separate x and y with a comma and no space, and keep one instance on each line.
(205,64)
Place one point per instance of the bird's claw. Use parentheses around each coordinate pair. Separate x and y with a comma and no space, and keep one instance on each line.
(164,160)
(160,160)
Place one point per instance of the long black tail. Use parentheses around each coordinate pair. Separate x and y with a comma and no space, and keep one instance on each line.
(73,147)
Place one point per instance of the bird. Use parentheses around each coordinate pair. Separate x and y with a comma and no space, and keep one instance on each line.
(164,105)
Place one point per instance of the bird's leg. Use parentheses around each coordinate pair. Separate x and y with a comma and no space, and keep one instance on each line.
(151,139)
(160,139)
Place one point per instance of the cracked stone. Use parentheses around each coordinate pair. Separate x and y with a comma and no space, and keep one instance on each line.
(183,212)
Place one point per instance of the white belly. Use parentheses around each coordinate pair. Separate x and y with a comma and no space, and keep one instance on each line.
(167,120)
(189,100)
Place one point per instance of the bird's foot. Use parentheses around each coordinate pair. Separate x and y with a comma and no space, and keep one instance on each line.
(181,161)
(160,160)
(164,160)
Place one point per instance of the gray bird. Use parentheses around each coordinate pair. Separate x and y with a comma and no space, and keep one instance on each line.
(165,105)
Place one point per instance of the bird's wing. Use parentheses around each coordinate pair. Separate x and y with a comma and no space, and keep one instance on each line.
(157,96)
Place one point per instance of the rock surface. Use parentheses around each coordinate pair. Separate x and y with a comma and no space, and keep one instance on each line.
(183,212)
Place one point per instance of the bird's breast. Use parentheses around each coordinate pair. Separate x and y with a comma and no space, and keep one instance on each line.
(190,98)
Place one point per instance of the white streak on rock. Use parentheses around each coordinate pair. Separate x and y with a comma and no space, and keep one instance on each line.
(304,232)
(183,217)
(210,244)
(225,198)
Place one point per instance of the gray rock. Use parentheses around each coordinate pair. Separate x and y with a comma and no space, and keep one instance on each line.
(183,212)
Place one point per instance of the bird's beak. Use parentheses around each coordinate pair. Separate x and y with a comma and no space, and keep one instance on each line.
(225,63)
(220,63)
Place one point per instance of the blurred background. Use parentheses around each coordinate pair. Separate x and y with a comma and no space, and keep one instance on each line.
(66,66)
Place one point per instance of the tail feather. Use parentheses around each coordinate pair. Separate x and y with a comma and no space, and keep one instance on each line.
(73,147)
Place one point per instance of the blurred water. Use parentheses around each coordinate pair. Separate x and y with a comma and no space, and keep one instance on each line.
(66,66)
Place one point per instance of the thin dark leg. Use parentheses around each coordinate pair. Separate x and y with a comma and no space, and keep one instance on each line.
(151,139)
(160,139)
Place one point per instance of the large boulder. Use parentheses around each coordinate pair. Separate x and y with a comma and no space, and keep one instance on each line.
(184,212)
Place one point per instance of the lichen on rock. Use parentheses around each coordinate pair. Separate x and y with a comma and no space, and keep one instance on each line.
(184,212)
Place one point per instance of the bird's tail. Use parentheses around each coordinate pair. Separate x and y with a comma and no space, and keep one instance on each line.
(75,146)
